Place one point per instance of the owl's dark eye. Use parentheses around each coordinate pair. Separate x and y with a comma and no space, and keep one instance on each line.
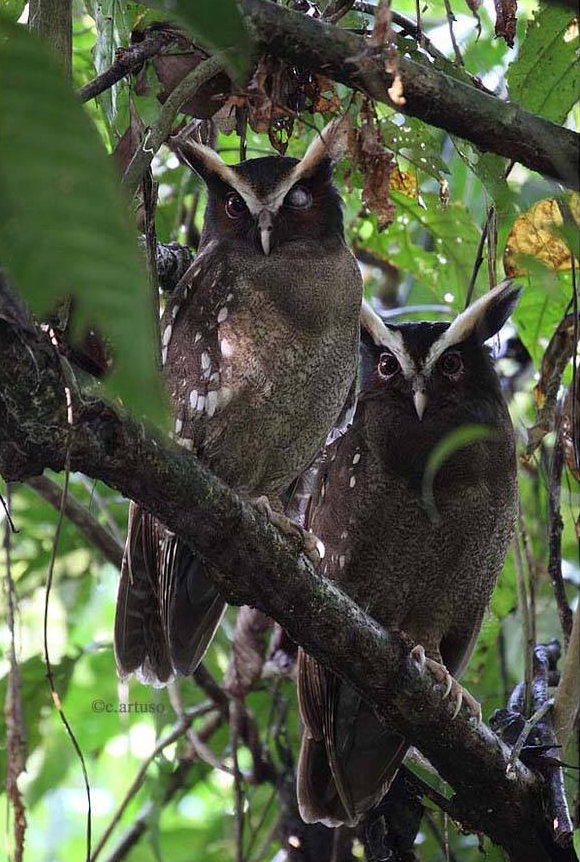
(451,363)
(299,198)
(388,365)
(235,205)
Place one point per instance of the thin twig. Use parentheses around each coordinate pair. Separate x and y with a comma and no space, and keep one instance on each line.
(103,506)
(235,721)
(15,727)
(175,782)
(532,573)
(450,20)
(68,384)
(201,749)
(525,615)
(478,258)
(161,129)
(80,516)
(177,731)
(555,528)
(127,60)
(529,725)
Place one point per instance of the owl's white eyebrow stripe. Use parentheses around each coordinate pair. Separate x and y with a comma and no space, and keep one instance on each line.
(383,336)
(464,324)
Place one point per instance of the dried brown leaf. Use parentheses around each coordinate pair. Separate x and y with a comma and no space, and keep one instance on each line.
(534,234)
(131,140)
(367,150)
(326,99)
(505,20)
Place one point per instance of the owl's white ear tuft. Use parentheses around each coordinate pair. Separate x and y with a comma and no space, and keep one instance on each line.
(483,318)
(383,336)
(207,164)
(330,143)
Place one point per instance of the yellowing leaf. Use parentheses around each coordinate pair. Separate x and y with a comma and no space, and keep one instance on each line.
(535,234)
(404,182)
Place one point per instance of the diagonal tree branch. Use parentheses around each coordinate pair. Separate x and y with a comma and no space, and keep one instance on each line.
(81,517)
(444,102)
(255,565)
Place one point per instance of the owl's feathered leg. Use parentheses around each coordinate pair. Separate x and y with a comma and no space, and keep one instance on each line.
(452,689)
(313,547)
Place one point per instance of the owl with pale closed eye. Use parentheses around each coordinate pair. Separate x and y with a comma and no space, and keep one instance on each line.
(259,347)
(424,563)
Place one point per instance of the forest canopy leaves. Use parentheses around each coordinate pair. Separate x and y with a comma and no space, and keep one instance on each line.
(65,228)
(544,78)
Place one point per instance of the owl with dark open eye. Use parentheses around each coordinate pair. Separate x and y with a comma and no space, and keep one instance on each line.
(259,347)
(427,570)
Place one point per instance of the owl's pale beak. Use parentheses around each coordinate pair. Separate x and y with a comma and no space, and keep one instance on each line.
(265,226)
(419,397)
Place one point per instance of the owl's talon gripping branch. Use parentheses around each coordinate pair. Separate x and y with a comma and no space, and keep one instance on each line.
(313,547)
(459,695)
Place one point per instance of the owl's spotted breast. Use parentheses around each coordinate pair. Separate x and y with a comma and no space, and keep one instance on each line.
(252,391)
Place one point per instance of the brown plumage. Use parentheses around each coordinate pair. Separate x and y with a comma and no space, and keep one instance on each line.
(427,568)
(259,344)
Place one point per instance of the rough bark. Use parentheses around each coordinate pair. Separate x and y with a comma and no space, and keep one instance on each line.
(256,566)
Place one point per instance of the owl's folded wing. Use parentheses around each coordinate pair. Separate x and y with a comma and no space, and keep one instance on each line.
(167,608)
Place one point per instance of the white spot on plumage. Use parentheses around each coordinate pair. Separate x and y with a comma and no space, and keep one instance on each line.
(178,426)
(342,561)
(163,355)
(197,337)
(226,348)
(167,335)
(205,360)
(200,403)
(229,297)
(174,311)
(211,402)
(215,377)
(344,535)
(193,398)
(352,482)
(356,458)
(186,442)
(222,315)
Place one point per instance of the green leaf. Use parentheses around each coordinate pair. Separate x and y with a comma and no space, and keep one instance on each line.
(13,9)
(65,229)
(544,77)
(541,307)
(451,234)
(219,26)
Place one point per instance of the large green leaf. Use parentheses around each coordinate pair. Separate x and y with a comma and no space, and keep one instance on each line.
(544,77)
(433,243)
(65,226)
(218,24)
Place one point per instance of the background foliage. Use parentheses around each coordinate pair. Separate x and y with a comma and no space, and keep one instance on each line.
(60,187)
